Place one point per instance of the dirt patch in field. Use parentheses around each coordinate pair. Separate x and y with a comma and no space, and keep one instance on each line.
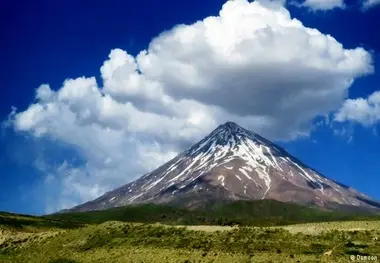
(211,228)
(310,228)
(317,228)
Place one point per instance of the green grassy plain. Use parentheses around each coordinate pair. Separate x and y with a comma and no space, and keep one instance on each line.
(38,239)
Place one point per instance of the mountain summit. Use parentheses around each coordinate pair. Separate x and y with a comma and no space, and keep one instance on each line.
(233,163)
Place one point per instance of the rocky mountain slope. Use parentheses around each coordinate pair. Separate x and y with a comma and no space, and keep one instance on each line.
(233,163)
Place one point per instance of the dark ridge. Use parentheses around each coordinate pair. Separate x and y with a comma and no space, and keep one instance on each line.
(199,180)
(20,221)
(369,202)
(168,190)
(231,124)
(313,185)
(325,186)
(342,185)
(250,213)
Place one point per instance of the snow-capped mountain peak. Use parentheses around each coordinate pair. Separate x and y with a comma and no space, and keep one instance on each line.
(232,163)
(227,133)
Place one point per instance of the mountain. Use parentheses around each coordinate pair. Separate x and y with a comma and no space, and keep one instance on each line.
(233,163)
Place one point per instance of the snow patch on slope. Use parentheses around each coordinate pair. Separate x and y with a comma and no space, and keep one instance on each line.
(221,178)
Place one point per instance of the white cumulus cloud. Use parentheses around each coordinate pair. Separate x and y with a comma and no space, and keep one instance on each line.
(253,64)
(365,111)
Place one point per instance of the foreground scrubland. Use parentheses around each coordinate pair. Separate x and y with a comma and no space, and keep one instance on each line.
(244,231)
(139,242)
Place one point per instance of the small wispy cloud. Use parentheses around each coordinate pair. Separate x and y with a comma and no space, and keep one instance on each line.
(320,5)
(365,111)
(368,4)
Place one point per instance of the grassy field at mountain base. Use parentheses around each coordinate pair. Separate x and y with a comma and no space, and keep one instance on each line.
(137,242)
(259,231)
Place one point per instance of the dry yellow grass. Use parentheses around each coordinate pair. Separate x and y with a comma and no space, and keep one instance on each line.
(316,228)
(209,228)
(8,235)
(46,246)
(309,228)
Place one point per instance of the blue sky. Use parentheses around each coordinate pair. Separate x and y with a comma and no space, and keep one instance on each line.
(49,157)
